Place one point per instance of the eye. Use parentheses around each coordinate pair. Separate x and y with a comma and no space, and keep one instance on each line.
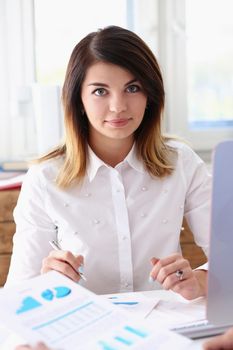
(133,88)
(100,92)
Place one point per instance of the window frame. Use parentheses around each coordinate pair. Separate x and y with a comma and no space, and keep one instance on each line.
(172,38)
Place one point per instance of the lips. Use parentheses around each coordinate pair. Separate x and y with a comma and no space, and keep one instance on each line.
(117,123)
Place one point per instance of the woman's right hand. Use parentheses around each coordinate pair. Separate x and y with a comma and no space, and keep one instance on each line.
(64,262)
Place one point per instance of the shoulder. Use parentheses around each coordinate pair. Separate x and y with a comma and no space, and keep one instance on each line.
(44,172)
(185,153)
(189,165)
(179,146)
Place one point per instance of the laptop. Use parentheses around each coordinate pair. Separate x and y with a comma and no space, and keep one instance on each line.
(219,306)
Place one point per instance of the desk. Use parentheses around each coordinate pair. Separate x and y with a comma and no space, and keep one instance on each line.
(176,307)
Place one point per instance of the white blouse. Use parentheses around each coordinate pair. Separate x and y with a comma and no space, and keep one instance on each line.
(118,219)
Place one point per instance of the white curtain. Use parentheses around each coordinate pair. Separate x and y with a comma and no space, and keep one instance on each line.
(17,75)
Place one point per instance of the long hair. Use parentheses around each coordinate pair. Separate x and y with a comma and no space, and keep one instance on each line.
(124,48)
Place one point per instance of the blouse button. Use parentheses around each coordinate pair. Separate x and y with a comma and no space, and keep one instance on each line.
(87,194)
(75,233)
(181,206)
(144,188)
(143,215)
(96,221)
(66,205)
(164,221)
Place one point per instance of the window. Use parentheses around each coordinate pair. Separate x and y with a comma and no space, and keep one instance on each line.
(60,25)
(197,47)
(209,63)
(192,40)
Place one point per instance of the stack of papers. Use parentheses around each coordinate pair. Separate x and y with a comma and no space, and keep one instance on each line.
(174,313)
(64,315)
(11,180)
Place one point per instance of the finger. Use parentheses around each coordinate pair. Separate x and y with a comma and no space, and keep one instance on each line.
(76,262)
(170,259)
(41,346)
(171,269)
(216,343)
(164,262)
(154,261)
(172,280)
(68,257)
(224,341)
(63,267)
(79,261)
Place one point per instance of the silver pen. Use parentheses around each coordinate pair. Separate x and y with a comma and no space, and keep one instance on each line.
(55,245)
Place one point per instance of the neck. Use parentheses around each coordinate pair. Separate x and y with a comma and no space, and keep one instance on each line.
(112,152)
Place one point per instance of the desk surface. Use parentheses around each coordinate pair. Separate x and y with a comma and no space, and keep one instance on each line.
(174,309)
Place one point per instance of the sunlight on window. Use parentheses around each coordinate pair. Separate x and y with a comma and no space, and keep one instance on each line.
(210,62)
(59,25)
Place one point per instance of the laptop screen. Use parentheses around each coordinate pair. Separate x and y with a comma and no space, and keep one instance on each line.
(220,277)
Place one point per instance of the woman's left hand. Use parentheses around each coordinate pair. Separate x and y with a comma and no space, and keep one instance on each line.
(175,273)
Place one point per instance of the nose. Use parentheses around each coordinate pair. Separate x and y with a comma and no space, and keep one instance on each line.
(117,104)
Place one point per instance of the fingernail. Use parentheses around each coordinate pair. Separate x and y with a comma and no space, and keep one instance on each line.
(151,279)
(80,269)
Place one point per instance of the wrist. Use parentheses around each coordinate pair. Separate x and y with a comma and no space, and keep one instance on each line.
(201,276)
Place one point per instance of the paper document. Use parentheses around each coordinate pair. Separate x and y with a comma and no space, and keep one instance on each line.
(64,315)
(173,313)
(136,303)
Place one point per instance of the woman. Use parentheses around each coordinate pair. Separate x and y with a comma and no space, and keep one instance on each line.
(114,194)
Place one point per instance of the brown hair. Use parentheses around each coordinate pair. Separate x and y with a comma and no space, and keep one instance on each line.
(124,48)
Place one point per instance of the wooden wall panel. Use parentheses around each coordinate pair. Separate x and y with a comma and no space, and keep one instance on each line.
(4,267)
(190,250)
(7,231)
(8,200)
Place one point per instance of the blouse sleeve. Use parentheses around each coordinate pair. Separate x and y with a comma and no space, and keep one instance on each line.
(34,229)
(198,195)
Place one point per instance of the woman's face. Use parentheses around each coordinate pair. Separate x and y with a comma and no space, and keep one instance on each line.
(113,100)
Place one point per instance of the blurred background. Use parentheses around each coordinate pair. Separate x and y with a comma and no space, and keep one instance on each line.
(192,40)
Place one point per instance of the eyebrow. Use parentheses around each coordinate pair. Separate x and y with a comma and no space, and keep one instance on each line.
(106,85)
